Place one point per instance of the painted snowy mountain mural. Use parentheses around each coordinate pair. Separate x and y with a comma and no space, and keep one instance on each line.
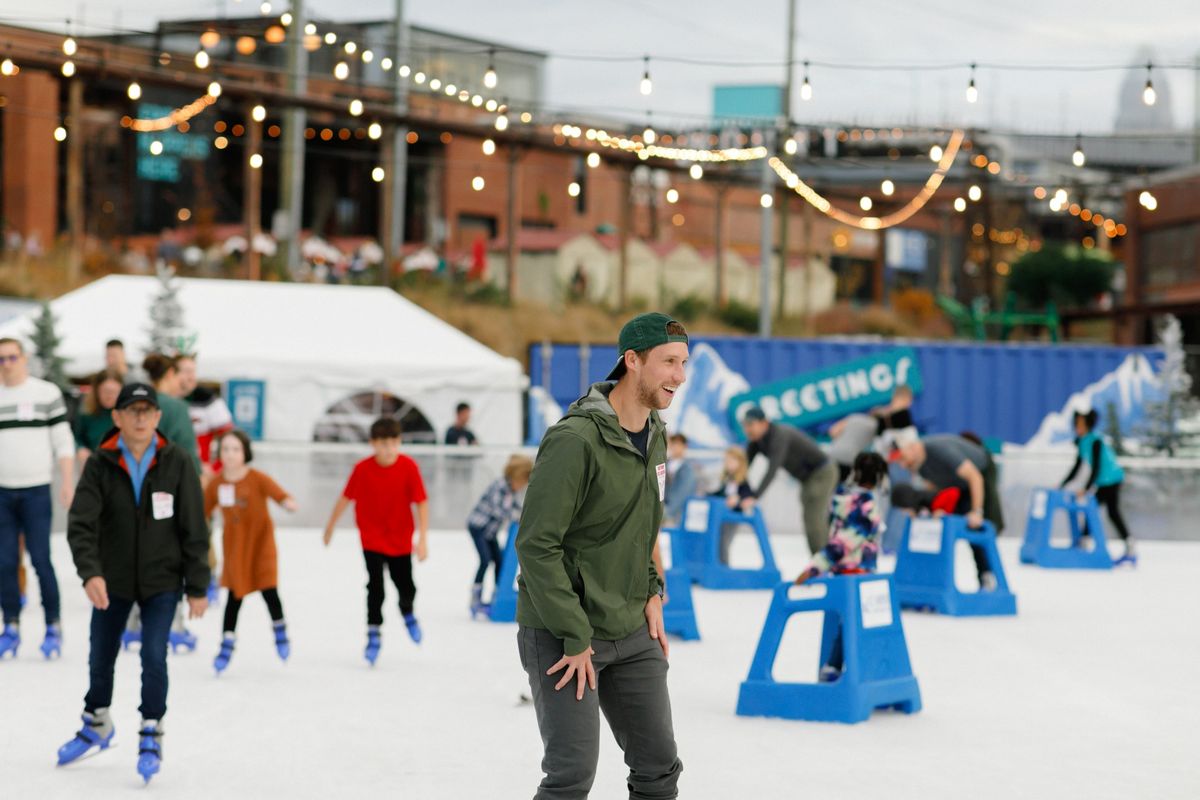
(699,408)
(1127,389)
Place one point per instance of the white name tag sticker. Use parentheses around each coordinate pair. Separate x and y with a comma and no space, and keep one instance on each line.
(163,505)
(875,602)
(925,535)
(226,495)
(695,516)
(661,470)
(24,412)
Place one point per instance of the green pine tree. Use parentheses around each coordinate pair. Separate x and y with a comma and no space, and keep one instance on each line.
(167,332)
(51,366)
(1162,429)
(1112,428)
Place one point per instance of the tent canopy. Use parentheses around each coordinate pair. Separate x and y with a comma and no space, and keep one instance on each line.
(313,345)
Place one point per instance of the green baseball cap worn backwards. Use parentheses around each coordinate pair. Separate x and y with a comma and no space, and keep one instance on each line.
(642,333)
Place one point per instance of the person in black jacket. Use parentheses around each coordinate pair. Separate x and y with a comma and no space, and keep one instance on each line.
(138,537)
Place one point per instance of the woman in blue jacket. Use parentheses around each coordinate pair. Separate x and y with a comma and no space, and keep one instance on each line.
(1106,476)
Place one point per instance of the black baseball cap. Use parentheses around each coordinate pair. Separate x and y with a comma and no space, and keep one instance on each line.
(642,333)
(137,393)
(754,414)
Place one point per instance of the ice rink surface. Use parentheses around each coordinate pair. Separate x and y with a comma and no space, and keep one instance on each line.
(1091,692)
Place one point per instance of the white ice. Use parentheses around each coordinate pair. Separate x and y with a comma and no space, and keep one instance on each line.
(1090,692)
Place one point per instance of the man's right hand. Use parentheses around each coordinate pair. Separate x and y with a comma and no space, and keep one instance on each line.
(328,537)
(578,667)
(975,519)
(97,592)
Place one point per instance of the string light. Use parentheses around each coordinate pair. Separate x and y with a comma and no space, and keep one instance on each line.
(356,107)
(972,92)
(173,119)
(806,87)
(1148,94)
(593,160)
(367,56)
(256,161)
(646,151)
(258,113)
(330,38)
(935,153)
(491,105)
(887,187)
(502,123)
(404,71)
(672,196)
(201,60)
(1147,200)
(60,134)
(156,148)
(974,193)
(960,205)
(310,29)
(350,47)
(385,64)
(489,147)
(696,172)
(790,147)
(341,70)
(766,200)
(7,67)
(865,203)
(573,189)
(214,90)
(264,9)
(68,68)
(489,77)
(932,184)
(134,91)
(374,130)
(285,18)
(1078,158)
(646,86)
(435,84)
(378,174)
(69,46)
(477,183)
(648,136)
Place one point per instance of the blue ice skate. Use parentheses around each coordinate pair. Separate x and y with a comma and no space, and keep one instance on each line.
(414,628)
(282,645)
(129,637)
(372,651)
(10,641)
(182,638)
(226,653)
(52,644)
(149,750)
(1128,558)
(214,592)
(97,731)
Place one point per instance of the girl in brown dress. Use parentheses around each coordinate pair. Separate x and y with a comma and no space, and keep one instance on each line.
(249,539)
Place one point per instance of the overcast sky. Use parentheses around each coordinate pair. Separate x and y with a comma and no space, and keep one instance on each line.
(870,32)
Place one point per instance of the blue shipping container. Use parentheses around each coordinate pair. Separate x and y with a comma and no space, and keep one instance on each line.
(997,390)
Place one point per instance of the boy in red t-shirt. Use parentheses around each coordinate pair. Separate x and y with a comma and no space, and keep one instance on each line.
(384,489)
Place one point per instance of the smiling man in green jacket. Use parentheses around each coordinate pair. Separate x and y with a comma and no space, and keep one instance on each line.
(590,601)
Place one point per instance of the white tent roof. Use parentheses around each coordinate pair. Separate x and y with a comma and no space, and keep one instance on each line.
(342,338)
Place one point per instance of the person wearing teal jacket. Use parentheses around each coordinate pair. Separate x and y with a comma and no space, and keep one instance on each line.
(589,606)
(1106,476)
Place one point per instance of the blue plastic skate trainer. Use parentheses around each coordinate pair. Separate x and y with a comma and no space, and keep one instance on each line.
(876,672)
(504,601)
(679,613)
(924,574)
(699,545)
(1037,549)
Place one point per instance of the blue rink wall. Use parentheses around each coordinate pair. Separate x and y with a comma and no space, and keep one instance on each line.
(1001,391)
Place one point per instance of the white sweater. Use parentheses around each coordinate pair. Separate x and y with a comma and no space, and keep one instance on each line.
(33,433)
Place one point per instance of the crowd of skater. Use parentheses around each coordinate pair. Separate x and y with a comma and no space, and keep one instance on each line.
(158,459)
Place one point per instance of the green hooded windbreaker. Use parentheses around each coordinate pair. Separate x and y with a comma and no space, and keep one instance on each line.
(589,524)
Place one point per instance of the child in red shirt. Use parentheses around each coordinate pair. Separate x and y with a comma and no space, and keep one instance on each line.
(384,489)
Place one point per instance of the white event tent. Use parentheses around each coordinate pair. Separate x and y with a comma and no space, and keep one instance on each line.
(311,346)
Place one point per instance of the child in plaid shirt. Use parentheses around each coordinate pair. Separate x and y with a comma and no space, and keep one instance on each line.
(496,508)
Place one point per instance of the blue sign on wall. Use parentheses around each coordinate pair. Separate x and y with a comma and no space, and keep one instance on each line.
(247,403)
(906,250)
(747,103)
(833,392)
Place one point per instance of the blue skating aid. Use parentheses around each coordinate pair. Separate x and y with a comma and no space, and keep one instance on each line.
(10,641)
(282,645)
(181,639)
(876,672)
(924,574)
(679,614)
(699,538)
(214,592)
(414,628)
(1044,505)
(504,601)
(226,653)
(373,643)
(97,732)
(52,644)
(149,751)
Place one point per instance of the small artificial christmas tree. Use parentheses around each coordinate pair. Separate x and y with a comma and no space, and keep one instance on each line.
(167,334)
(1162,431)
(50,365)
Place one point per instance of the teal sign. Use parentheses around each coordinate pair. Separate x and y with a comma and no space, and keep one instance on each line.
(175,146)
(833,392)
(247,403)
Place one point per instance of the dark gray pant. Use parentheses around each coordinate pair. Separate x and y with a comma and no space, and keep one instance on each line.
(631,683)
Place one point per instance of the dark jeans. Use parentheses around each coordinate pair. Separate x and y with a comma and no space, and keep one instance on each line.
(233,607)
(489,554)
(1110,498)
(157,612)
(400,568)
(26,511)
(631,690)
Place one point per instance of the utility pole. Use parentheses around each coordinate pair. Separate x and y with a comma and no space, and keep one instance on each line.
(395,155)
(75,141)
(252,196)
(291,174)
(766,201)
(785,136)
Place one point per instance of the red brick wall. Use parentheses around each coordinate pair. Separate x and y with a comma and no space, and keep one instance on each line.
(30,154)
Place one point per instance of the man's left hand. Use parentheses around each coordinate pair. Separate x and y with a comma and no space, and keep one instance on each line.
(197,606)
(974,519)
(654,622)
(422,550)
(66,494)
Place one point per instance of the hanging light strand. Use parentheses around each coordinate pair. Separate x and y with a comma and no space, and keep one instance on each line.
(181,114)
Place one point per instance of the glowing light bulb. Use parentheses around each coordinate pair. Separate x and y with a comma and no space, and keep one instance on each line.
(766,200)
(378,174)
(935,153)
(60,134)
(672,196)
(489,78)
(489,147)
(887,187)
(974,193)
(696,171)
(214,89)
(573,189)
(201,60)
(69,46)
(865,203)
(501,123)
(477,183)
(374,130)
(646,86)
(68,68)
(648,136)
(341,70)
(258,113)
(356,107)
(134,91)
(960,205)
(593,160)
(256,161)
(156,148)
(790,147)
